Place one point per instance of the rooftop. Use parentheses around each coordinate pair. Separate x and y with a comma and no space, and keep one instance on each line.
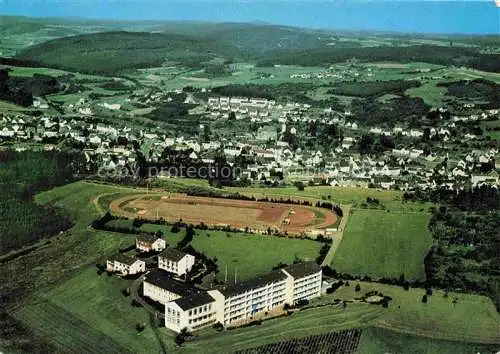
(193,301)
(258,282)
(173,254)
(146,238)
(124,259)
(301,270)
(162,279)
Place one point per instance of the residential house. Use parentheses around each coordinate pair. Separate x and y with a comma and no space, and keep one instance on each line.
(149,243)
(175,261)
(125,265)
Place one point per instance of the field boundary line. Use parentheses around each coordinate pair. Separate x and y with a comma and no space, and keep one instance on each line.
(338,236)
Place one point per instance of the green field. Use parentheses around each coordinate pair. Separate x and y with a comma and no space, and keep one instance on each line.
(384,244)
(472,319)
(251,255)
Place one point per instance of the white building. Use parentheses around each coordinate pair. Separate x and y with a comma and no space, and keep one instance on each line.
(175,261)
(125,265)
(239,301)
(191,312)
(149,243)
(161,287)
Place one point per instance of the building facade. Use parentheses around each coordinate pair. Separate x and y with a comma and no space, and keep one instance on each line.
(175,261)
(192,312)
(125,265)
(149,243)
(159,286)
(228,304)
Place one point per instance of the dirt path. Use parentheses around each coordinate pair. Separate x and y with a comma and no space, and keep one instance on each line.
(337,236)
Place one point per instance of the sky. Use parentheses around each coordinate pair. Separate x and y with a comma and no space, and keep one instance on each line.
(474,17)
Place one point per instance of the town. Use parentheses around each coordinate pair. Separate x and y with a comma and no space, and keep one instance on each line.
(206,187)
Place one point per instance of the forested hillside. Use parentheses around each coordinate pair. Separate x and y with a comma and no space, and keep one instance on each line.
(113,52)
(193,45)
(22,222)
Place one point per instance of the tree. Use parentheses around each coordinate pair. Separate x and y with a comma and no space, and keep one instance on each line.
(300,186)
(175,228)
(179,339)
(365,145)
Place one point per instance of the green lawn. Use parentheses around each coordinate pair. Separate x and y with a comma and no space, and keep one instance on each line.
(251,255)
(472,319)
(429,92)
(171,238)
(384,244)
(88,313)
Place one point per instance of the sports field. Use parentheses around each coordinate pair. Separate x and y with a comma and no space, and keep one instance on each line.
(293,219)
(384,244)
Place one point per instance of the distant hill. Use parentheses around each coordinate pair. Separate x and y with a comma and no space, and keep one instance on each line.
(251,38)
(113,52)
(151,43)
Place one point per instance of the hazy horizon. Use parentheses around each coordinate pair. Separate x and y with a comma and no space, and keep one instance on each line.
(434,17)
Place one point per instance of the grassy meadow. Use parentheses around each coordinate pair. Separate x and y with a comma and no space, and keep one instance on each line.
(251,255)
(384,244)
(473,318)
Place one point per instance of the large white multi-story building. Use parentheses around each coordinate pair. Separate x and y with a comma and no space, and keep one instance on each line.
(198,308)
(175,261)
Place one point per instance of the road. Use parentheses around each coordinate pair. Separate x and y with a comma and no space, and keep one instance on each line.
(337,237)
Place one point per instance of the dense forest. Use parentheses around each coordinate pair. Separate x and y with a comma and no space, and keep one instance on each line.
(479,90)
(406,109)
(20,90)
(465,228)
(103,52)
(22,222)
(373,88)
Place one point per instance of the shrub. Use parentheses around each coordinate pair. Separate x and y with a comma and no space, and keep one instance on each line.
(218,326)
(424,299)
(357,288)
(179,339)
(135,303)
(140,327)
